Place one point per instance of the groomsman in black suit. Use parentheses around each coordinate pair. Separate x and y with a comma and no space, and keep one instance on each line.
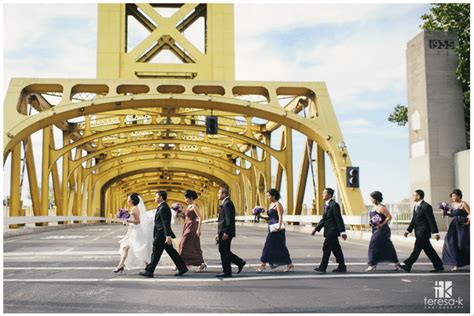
(333,228)
(424,223)
(225,233)
(162,238)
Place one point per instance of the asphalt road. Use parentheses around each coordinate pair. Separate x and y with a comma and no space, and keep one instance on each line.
(70,271)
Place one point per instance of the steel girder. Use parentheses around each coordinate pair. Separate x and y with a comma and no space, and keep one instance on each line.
(129,124)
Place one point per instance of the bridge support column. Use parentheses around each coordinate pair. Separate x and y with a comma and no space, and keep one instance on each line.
(15,205)
(45,175)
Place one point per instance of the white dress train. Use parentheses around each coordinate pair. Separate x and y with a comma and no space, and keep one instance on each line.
(139,238)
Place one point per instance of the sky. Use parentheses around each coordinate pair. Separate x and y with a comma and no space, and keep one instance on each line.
(357,49)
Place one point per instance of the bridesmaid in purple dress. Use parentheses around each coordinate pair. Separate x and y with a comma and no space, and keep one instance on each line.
(275,251)
(381,248)
(190,243)
(456,246)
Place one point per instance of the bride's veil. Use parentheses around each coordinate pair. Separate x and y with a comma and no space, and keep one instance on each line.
(146,224)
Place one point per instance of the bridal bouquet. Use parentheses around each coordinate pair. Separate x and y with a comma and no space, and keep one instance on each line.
(445,207)
(123,214)
(178,208)
(257,210)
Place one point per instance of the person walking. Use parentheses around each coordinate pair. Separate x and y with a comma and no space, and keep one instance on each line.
(424,224)
(333,228)
(162,238)
(225,233)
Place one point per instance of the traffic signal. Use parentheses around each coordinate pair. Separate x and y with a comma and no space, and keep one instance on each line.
(211,125)
(352,177)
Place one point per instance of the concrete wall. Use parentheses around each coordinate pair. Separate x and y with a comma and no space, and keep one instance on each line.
(435,114)
(462,173)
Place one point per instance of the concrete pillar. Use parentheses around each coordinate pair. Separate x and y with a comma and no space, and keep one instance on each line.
(435,115)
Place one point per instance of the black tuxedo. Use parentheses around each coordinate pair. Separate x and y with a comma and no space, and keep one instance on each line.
(226,224)
(226,220)
(424,223)
(161,231)
(333,225)
(163,221)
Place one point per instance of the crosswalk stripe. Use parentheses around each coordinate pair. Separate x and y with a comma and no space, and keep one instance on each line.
(305,264)
(234,279)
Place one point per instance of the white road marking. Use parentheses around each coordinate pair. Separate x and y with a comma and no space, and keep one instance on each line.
(98,229)
(58,253)
(184,279)
(65,237)
(405,280)
(247,266)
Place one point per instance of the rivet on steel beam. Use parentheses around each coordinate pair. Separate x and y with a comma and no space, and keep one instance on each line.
(118,103)
(209,99)
(10,135)
(328,137)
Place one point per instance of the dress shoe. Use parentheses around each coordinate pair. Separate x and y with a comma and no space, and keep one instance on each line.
(289,268)
(224,275)
(405,267)
(180,273)
(436,270)
(241,267)
(319,270)
(340,269)
(119,269)
(146,274)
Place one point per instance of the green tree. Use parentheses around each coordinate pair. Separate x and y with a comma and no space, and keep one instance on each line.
(455,17)
(452,17)
(399,115)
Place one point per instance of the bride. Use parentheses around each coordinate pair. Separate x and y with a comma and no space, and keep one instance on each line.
(136,246)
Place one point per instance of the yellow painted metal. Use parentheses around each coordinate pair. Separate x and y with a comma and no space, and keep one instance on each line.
(141,125)
(32,179)
(15,204)
(321,178)
(45,174)
(116,60)
(119,139)
(303,177)
(64,178)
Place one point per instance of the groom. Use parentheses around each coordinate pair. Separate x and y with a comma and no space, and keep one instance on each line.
(162,238)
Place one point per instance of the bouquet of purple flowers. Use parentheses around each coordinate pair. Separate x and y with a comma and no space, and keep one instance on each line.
(123,214)
(376,219)
(178,208)
(257,210)
(445,207)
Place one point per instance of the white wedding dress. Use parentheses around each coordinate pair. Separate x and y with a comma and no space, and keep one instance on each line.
(139,238)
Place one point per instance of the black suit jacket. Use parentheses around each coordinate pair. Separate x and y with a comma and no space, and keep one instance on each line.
(163,221)
(226,220)
(423,221)
(332,221)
